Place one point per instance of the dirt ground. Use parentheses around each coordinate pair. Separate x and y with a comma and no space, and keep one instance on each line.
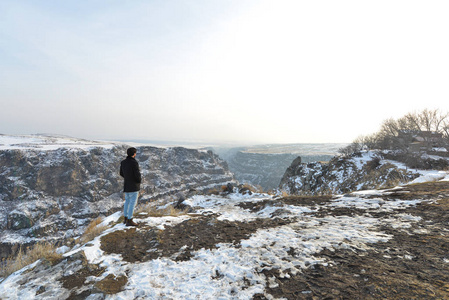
(202,232)
(408,266)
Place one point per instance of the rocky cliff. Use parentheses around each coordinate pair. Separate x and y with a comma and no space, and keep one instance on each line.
(342,175)
(52,191)
(258,169)
(265,165)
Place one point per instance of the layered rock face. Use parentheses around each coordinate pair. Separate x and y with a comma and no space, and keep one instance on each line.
(343,175)
(263,169)
(54,193)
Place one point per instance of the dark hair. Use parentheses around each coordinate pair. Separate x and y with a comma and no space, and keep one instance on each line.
(131,151)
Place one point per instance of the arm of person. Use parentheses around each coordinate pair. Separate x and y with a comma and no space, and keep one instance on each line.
(137,174)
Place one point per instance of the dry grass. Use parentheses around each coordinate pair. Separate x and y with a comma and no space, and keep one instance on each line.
(281,193)
(444,203)
(252,188)
(45,251)
(112,284)
(92,230)
(215,191)
(259,188)
(152,211)
(285,194)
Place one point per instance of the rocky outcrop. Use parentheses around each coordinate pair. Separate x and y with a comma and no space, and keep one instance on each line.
(263,169)
(343,175)
(54,193)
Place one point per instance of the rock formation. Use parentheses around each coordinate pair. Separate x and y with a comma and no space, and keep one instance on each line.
(343,175)
(265,168)
(54,193)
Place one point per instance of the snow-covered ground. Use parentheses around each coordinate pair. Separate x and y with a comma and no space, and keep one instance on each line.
(53,142)
(426,175)
(47,142)
(239,267)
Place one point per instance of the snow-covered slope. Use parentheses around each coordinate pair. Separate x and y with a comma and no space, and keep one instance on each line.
(47,142)
(342,175)
(50,187)
(257,247)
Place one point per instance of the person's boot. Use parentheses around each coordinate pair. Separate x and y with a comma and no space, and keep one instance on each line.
(131,223)
(125,220)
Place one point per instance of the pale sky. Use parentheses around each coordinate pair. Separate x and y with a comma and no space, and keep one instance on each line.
(245,71)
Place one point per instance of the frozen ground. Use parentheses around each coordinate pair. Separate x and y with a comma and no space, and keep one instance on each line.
(255,247)
(237,268)
(47,142)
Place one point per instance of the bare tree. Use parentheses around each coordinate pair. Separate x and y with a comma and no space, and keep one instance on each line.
(445,133)
(389,127)
(372,141)
(431,124)
(413,122)
(428,120)
(400,133)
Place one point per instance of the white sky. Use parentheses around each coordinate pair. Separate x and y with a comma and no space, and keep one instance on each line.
(207,70)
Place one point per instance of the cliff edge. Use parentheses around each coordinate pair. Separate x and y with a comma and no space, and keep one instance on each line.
(51,187)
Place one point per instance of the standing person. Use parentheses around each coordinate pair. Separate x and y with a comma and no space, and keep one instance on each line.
(129,170)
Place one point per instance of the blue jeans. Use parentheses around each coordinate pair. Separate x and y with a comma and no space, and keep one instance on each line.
(130,203)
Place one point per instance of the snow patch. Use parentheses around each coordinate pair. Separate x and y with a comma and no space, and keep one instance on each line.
(43,142)
(230,272)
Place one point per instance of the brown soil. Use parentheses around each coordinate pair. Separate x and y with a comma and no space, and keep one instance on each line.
(291,200)
(76,282)
(411,265)
(112,284)
(428,190)
(144,243)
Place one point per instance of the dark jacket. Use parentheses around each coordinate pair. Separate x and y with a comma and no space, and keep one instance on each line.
(129,169)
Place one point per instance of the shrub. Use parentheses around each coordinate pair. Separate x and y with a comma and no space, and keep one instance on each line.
(415,161)
(44,250)
(284,194)
(401,133)
(215,191)
(373,164)
(352,149)
(92,230)
(250,187)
